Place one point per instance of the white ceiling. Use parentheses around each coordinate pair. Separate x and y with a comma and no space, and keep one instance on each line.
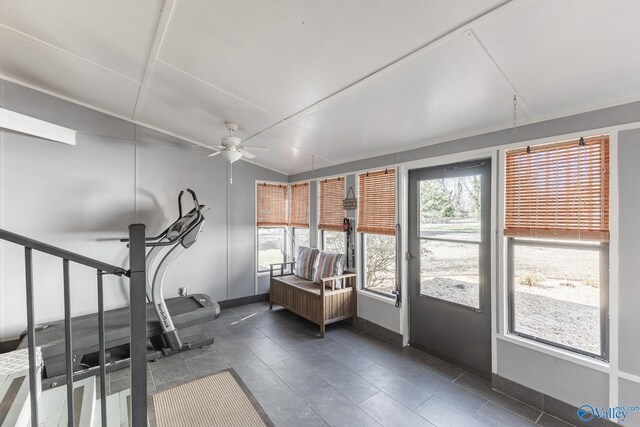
(333,79)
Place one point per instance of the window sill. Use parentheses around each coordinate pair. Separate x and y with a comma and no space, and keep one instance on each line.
(374,295)
(552,351)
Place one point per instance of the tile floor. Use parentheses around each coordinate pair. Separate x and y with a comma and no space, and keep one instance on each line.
(346,379)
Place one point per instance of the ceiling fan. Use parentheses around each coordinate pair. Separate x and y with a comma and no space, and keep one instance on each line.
(232,148)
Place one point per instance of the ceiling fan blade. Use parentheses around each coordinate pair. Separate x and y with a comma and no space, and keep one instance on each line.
(255,148)
(215,153)
(247,154)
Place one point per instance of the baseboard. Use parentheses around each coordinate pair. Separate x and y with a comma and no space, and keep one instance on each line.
(251,299)
(543,402)
(10,345)
(379,331)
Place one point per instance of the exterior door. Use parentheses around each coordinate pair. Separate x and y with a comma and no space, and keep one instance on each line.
(450,263)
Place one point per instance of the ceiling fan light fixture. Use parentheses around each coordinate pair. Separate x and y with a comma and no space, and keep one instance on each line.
(231,155)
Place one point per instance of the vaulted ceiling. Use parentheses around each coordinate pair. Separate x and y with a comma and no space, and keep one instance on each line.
(339,80)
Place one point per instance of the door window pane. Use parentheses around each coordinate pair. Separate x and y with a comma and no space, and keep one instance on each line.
(450,271)
(271,247)
(557,295)
(450,208)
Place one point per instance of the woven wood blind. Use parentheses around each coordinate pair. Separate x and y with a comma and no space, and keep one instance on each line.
(272,205)
(559,190)
(377,202)
(299,215)
(331,210)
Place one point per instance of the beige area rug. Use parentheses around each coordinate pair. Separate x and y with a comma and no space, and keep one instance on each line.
(220,399)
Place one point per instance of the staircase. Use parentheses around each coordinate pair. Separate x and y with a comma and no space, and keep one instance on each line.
(22,401)
(52,404)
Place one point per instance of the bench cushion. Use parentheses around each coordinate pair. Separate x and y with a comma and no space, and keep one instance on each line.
(306,262)
(329,264)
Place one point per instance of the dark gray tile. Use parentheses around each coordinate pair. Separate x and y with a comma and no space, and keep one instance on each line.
(169,369)
(346,382)
(280,335)
(246,333)
(441,414)
(232,350)
(495,415)
(338,411)
(350,338)
(518,392)
(389,359)
(302,380)
(268,351)
(198,352)
(432,363)
(547,420)
(206,364)
(255,374)
(286,409)
(390,413)
(347,356)
(395,386)
(484,389)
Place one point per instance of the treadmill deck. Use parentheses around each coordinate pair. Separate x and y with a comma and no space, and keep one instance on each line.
(185,311)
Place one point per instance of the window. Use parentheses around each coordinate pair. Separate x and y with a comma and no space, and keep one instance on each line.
(557,230)
(299,217)
(271,247)
(271,223)
(334,241)
(300,237)
(377,224)
(332,215)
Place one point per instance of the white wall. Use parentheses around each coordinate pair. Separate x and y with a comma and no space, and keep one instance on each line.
(83,198)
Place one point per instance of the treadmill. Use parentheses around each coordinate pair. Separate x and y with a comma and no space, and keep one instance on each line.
(165,317)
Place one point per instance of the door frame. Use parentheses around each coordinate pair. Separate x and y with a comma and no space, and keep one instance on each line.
(495,215)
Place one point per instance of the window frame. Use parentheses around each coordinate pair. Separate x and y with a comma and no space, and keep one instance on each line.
(603,249)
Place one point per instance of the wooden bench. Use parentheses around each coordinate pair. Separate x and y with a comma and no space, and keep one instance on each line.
(320,304)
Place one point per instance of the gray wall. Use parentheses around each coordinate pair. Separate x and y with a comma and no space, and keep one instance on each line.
(566,381)
(630,396)
(83,198)
(629,252)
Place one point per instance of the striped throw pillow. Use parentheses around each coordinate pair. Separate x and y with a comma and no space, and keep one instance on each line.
(306,262)
(330,264)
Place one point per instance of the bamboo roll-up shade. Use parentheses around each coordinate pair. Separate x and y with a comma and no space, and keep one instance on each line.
(299,215)
(377,202)
(559,190)
(272,205)
(331,210)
